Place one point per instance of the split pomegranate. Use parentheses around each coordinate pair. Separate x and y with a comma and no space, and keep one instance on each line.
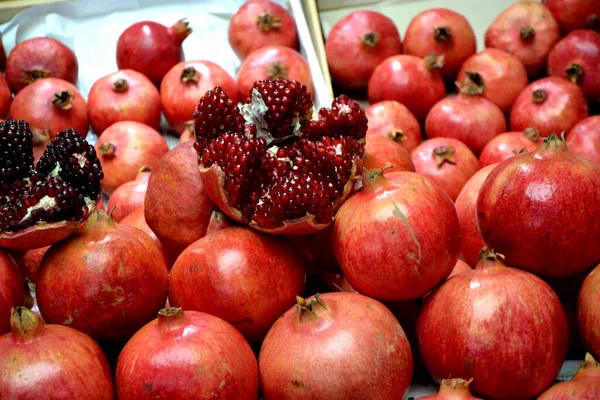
(129,195)
(550,105)
(261,23)
(554,233)
(270,165)
(124,148)
(29,262)
(381,152)
(575,14)
(588,312)
(51,361)
(452,389)
(347,332)
(487,324)
(108,298)
(528,31)
(125,95)
(459,268)
(500,76)
(357,44)
(11,290)
(401,210)
(584,385)
(447,162)
(410,80)
(393,120)
(38,58)
(442,32)
(507,144)
(164,358)
(188,132)
(151,48)
(5,97)
(584,139)
(137,220)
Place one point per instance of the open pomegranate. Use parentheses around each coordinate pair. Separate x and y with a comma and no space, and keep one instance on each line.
(393,120)
(129,195)
(11,290)
(585,385)
(453,389)
(575,14)
(588,312)
(584,139)
(381,152)
(507,144)
(272,166)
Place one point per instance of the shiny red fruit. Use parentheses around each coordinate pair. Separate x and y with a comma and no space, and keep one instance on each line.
(508,144)
(584,139)
(585,385)
(393,120)
(129,195)
(6,98)
(575,14)
(588,312)
(11,290)
(381,152)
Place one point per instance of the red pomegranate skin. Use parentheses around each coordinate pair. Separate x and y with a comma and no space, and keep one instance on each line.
(187,134)
(51,362)
(554,233)
(401,210)
(351,335)
(106,280)
(503,76)
(381,152)
(447,162)
(163,360)
(584,385)
(2,56)
(584,139)
(575,14)
(393,120)
(506,144)
(317,251)
(588,312)
(452,389)
(137,220)
(550,105)
(5,98)
(11,290)
(442,32)
(357,44)
(129,196)
(29,262)
(459,268)
(487,324)
(230,274)
(407,80)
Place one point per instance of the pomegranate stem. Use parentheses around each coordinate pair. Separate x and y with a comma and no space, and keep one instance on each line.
(63,99)
(120,85)
(266,22)
(33,75)
(304,305)
(574,72)
(107,149)
(397,135)
(476,78)
(181,29)
(433,61)
(443,154)
(539,96)
(455,387)
(171,317)
(370,39)
(442,34)
(277,71)
(189,74)
(25,324)
(527,33)
(532,134)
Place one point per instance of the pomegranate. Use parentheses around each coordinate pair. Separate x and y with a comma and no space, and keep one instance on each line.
(136,219)
(452,389)
(396,211)
(2,55)
(459,268)
(500,76)
(272,167)
(106,297)
(151,48)
(316,249)
(447,162)
(550,105)
(272,62)
(11,290)
(5,97)
(460,334)
(51,361)
(188,133)
(584,139)
(588,312)
(575,14)
(357,44)
(51,105)
(125,95)
(261,23)
(129,195)
(185,83)
(583,386)
(555,232)
(38,58)
(29,262)
(508,144)
(442,32)
(347,332)
(410,80)
(164,358)
(393,120)
(124,148)
(381,152)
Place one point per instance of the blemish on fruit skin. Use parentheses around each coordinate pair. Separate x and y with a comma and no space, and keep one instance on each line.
(297,384)
(68,321)
(397,213)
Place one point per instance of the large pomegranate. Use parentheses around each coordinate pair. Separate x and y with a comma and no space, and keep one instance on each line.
(11,290)
(346,333)
(106,280)
(585,385)
(5,98)
(554,233)
(584,139)
(588,312)
(187,355)
(575,14)
(129,195)
(508,144)
(401,210)
(137,220)
(452,389)
(381,152)
(488,324)
(357,44)
(393,120)
(410,80)
(51,362)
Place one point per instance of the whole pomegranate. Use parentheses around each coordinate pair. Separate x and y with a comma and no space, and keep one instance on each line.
(452,389)
(38,58)
(185,83)
(508,144)
(527,30)
(124,148)
(575,14)
(11,290)
(554,233)
(106,280)
(137,220)
(5,98)
(151,48)
(347,332)
(442,32)
(381,152)
(585,385)
(487,324)
(500,76)
(459,268)
(550,105)
(164,358)
(393,120)
(584,139)
(2,55)
(29,262)
(357,44)
(588,312)
(129,195)
(401,210)
(410,80)
(125,95)
(261,23)
(51,362)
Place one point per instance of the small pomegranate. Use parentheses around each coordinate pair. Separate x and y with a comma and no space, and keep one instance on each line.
(357,44)
(459,268)
(381,152)
(575,14)
(588,312)
(452,389)
(393,120)
(528,31)
(136,219)
(584,139)
(585,385)
(125,95)
(29,262)
(261,23)
(410,80)
(151,48)
(129,195)
(188,132)
(447,162)
(5,98)
(507,144)
(38,58)
(124,148)
(11,290)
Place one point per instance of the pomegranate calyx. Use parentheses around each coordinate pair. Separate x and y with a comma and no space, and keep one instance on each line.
(189,125)
(443,154)
(189,74)
(107,149)
(574,72)
(171,317)
(63,99)
(532,134)
(33,75)
(369,176)
(455,386)
(442,34)
(554,142)
(589,369)
(476,78)
(25,324)
(489,257)
(397,135)
(308,306)
(469,88)
(539,96)
(433,61)
(99,219)
(277,70)
(527,33)
(523,150)
(181,29)
(370,39)
(266,22)
(120,85)
(145,168)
